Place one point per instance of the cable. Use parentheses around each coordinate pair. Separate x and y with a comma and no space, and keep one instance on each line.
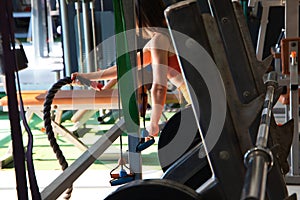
(31,171)
(30,166)
(143,144)
(7,36)
(119,116)
(140,50)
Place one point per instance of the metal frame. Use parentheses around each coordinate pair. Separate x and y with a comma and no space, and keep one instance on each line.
(65,37)
(294,174)
(266,4)
(70,174)
(275,185)
(201,26)
(291,31)
(244,104)
(87,36)
(24,15)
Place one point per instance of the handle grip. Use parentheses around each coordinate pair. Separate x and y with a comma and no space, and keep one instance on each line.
(93,84)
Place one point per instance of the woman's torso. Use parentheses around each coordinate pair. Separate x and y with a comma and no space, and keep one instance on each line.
(163,44)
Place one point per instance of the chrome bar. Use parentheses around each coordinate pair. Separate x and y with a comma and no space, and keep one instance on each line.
(259,159)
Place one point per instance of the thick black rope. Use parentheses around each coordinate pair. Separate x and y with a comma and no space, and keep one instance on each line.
(49,130)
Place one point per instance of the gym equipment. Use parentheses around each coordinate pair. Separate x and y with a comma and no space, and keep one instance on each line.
(143,144)
(86,28)
(291,20)
(72,172)
(224,80)
(79,33)
(181,127)
(67,100)
(66,39)
(265,4)
(93,50)
(110,114)
(94,34)
(93,84)
(154,190)
(127,76)
(289,79)
(259,159)
(123,176)
(231,25)
(21,58)
(16,60)
(142,97)
(290,68)
(48,126)
(88,63)
(9,67)
(42,36)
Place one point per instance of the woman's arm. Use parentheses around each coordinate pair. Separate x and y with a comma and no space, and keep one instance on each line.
(111,72)
(111,83)
(159,88)
(106,74)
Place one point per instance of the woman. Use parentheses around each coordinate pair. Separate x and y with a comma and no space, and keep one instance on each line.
(158,52)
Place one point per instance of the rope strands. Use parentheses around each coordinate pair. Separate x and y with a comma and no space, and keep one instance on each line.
(49,130)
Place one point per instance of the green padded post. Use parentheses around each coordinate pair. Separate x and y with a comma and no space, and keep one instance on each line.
(126,82)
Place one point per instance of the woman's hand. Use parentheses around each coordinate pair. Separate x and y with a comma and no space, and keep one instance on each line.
(74,75)
(153,129)
(74,79)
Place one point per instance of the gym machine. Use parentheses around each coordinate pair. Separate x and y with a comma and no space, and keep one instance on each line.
(289,71)
(226,111)
(219,64)
(239,52)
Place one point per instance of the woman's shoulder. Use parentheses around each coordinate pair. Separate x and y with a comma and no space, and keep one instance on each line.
(161,36)
(159,41)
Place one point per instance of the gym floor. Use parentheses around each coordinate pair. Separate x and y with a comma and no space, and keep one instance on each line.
(94,182)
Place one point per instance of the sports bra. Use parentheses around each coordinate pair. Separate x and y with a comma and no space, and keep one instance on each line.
(173,63)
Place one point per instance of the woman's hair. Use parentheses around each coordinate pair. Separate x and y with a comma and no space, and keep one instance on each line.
(150,13)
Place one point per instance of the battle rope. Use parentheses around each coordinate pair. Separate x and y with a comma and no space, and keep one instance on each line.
(49,130)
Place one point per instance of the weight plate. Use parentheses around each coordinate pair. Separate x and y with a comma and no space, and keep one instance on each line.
(153,189)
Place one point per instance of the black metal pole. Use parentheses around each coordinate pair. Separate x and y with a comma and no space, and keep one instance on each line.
(7,36)
(47,26)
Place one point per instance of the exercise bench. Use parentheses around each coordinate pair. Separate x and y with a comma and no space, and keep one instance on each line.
(66,100)
(80,100)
